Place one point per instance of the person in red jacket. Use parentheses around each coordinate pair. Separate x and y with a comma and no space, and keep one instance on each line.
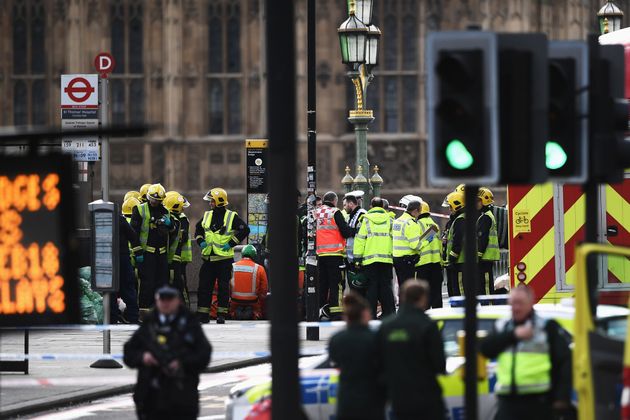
(249,287)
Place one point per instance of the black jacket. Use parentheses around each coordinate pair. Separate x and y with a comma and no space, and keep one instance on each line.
(241,230)
(159,234)
(183,339)
(127,237)
(361,393)
(411,350)
(499,341)
(457,227)
(484,224)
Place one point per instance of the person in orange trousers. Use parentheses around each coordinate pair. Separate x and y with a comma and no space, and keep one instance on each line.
(249,287)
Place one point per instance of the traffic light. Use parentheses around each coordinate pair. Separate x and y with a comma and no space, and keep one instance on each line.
(461,101)
(523,87)
(609,152)
(566,145)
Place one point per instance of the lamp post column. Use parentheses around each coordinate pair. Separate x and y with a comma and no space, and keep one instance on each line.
(360,119)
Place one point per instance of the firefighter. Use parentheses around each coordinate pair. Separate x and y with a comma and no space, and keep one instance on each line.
(533,362)
(330,246)
(169,350)
(217,233)
(131,194)
(361,395)
(373,253)
(411,352)
(175,203)
(129,244)
(429,267)
(406,242)
(487,241)
(155,227)
(455,244)
(249,287)
(143,192)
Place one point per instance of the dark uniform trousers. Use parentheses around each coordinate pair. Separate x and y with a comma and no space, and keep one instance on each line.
(153,274)
(432,273)
(127,292)
(453,274)
(331,280)
(178,280)
(404,268)
(212,272)
(525,407)
(486,278)
(380,278)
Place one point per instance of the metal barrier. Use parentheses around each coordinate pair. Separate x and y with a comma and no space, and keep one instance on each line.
(502,266)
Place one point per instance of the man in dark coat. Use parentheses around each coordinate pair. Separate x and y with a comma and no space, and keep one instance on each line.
(170,350)
(412,355)
(361,395)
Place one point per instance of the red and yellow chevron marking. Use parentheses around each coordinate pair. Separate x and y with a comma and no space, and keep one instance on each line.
(618,214)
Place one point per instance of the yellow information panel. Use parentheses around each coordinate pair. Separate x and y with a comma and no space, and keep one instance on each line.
(521,221)
(37,280)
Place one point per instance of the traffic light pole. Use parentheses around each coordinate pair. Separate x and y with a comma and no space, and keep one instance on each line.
(470,290)
(281,125)
(311,280)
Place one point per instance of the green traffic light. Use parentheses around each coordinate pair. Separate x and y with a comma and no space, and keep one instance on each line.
(458,155)
(555,155)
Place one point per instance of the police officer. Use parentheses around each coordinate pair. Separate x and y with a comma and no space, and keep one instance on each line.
(373,253)
(406,242)
(455,244)
(487,241)
(355,213)
(169,350)
(429,266)
(330,246)
(412,355)
(217,233)
(361,394)
(533,362)
(156,229)
(175,203)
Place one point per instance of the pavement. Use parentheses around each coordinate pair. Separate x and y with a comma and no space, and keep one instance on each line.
(69,379)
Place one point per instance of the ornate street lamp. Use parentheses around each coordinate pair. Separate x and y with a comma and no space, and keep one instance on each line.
(359,41)
(610,17)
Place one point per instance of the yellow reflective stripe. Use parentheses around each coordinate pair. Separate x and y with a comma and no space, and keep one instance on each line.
(453,385)
(203,310)
(258,392)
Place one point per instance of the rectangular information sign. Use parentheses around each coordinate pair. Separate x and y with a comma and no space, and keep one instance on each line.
(256,150)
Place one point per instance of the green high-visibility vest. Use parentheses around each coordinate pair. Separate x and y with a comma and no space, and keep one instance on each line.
(406,236)
(492,250)
(186,253)
(373,243)
(216,240)
(449,241)
(525,369)
(174,244)
(431,246)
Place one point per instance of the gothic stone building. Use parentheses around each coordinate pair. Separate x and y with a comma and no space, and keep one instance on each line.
(195,70)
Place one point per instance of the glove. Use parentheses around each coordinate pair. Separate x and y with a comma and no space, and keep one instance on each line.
(139,259)
(203,245)
(226,247)
(167,221)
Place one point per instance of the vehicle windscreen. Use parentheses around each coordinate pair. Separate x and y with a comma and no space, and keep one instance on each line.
(449,328)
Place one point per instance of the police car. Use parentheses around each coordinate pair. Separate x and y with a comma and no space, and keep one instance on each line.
(319,381)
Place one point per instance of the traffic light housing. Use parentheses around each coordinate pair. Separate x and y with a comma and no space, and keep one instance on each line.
(461,101)
(522,110)
(566,145)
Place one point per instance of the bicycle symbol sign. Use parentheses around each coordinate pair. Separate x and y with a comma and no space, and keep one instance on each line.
(521,222)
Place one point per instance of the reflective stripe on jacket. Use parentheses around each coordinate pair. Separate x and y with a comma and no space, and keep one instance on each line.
(492,250)
(431,246)
(406,236)
(449,243)
(145,213)
(186,253)
(328,240)
(216,240)
(526,367)
(373,243)
(249,281)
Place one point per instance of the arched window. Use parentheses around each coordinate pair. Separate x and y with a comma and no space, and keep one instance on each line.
(225,73)
(28,21)
(127,84)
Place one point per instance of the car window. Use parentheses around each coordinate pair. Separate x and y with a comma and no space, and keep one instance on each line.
(614,327)
(449,328)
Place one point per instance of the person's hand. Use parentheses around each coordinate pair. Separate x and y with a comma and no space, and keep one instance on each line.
(148,359)
(166,220)
(139,259)
(203,245)
(524,332)
(226,247)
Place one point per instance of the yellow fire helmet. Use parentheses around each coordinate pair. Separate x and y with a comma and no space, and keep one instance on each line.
(455,200)
(156,192)
(174,203)
(186,202)
(129,204)
(460,188)
(424,209)
(131,194)
(486,196)
(218,195)
(143,192)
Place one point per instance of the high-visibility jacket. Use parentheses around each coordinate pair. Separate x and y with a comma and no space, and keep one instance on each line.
(249,283)
(145,227)
(328,240)
(524,368)
(186,253)
(173,245)
(406,236)
(353,222)
(216,240)
(449,242)
(431,246)
(373,243)
(491,252)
